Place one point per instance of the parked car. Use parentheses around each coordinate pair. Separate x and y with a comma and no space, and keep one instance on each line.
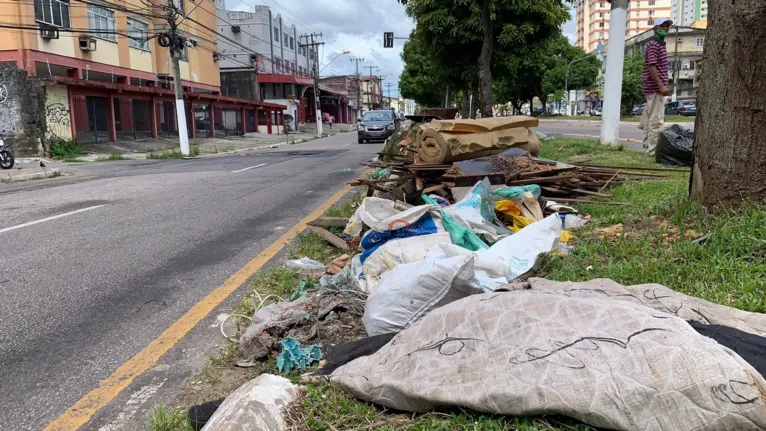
(682,107)
(639,110)
(376,126)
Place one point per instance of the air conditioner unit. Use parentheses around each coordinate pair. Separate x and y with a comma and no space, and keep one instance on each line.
(87,43)
(49,33)
(254,58)
(235,29)
(216,56)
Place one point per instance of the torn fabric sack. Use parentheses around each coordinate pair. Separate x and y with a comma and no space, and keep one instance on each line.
(609,363)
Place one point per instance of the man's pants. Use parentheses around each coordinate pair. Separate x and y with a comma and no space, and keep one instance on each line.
(652,121)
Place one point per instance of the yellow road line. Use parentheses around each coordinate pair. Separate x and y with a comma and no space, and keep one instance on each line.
(84,409)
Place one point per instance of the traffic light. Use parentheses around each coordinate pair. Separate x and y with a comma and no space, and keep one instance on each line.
(388,39)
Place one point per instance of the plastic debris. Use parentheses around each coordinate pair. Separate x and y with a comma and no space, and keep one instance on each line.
(517,192)
(381,173)
(344,280)
(345,170)
(308,267)
(302,290)
(295,357)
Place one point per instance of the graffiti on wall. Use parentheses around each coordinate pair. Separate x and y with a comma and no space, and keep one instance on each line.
(3,93)
(57,115)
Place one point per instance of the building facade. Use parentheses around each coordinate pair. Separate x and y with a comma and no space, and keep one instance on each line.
(106,76)
(685,46)
(686,12)
(263,46)
(593,19)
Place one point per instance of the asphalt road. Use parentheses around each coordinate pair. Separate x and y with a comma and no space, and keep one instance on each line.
(630,134)
(85,292)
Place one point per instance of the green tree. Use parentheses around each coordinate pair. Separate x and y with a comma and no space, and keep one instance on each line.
(496,29)
(632,82)
(423,78)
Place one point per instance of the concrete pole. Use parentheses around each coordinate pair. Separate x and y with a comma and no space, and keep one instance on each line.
(610,115)
(566,87)
(176,48)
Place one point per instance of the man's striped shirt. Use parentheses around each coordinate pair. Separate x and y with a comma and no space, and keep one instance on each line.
(656,55)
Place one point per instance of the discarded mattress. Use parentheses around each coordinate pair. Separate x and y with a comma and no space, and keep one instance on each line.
(657,297)
(610,363)
(444,147)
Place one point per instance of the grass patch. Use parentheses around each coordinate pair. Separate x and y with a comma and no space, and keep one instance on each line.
(66,149)
(110,158)
(656,244)
(72,160)
(348,208)
(173,154)
(169,419)
(326,407)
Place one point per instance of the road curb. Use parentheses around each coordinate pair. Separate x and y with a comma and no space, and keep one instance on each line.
(50,173)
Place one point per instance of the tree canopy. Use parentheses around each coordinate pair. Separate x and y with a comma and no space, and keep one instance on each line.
(475,38)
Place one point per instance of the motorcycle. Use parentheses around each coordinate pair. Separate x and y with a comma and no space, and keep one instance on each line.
(6,158)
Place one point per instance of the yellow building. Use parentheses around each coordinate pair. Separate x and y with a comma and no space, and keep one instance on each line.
(107,75)
(593,19)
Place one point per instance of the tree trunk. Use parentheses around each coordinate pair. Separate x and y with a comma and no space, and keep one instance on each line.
(464,105)
(485,60)
(729,152)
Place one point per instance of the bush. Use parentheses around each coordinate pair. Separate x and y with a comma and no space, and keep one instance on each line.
(65,149)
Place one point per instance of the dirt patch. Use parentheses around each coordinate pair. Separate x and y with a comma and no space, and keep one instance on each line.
(660,230)
(518,165)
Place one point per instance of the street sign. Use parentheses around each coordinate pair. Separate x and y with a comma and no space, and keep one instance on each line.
(388,39)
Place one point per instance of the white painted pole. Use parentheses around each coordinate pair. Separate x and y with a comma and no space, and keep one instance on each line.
(610,115)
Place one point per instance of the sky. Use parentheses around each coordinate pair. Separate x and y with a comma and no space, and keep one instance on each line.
(356,26)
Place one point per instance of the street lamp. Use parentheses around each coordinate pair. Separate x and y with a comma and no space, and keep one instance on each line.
(333,59)
(599,50)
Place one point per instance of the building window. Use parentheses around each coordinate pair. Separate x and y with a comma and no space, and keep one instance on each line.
(651,13)
(601,5)
(101,23)
(691,65)
(601,25)
(699,42)
(52,12)
(292,43)
(276,34)
(285,39)
(138,35)
(601,14)
(650,22)
(651,2)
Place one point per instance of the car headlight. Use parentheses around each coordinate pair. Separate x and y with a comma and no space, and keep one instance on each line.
(391,127)
(360,128)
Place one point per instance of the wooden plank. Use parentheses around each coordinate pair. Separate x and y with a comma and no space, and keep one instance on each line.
(471,180)
(607,183)
(586,201)
(541,180)
(631,168)
(331,238)
(435,188)
(590,193)
(373,186)
(329,222)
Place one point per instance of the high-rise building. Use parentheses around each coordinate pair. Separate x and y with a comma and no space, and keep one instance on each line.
(593,19)
(686,12)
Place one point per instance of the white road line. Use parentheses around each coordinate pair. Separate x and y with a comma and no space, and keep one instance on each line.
(247,169)
(42,220)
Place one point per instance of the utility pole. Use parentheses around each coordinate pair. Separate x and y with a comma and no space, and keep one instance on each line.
(312,46)
(358,88)
(176,50)
(388,87)
(610,115)
(369,94)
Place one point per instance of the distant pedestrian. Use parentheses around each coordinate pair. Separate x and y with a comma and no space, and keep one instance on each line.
(329,121)
(655,77)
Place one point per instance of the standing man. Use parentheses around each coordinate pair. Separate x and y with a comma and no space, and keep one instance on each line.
(655,76)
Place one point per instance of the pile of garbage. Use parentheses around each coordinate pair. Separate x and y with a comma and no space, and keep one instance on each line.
(447,157)
(437,296)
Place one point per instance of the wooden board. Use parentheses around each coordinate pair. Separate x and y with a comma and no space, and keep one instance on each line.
(329,222)
(331,238)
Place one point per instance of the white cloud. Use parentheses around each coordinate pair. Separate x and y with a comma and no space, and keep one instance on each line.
(347,25)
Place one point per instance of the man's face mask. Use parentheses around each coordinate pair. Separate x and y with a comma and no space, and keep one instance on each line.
(662,33)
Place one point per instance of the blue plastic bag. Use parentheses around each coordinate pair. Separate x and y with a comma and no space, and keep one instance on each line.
(295,357)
